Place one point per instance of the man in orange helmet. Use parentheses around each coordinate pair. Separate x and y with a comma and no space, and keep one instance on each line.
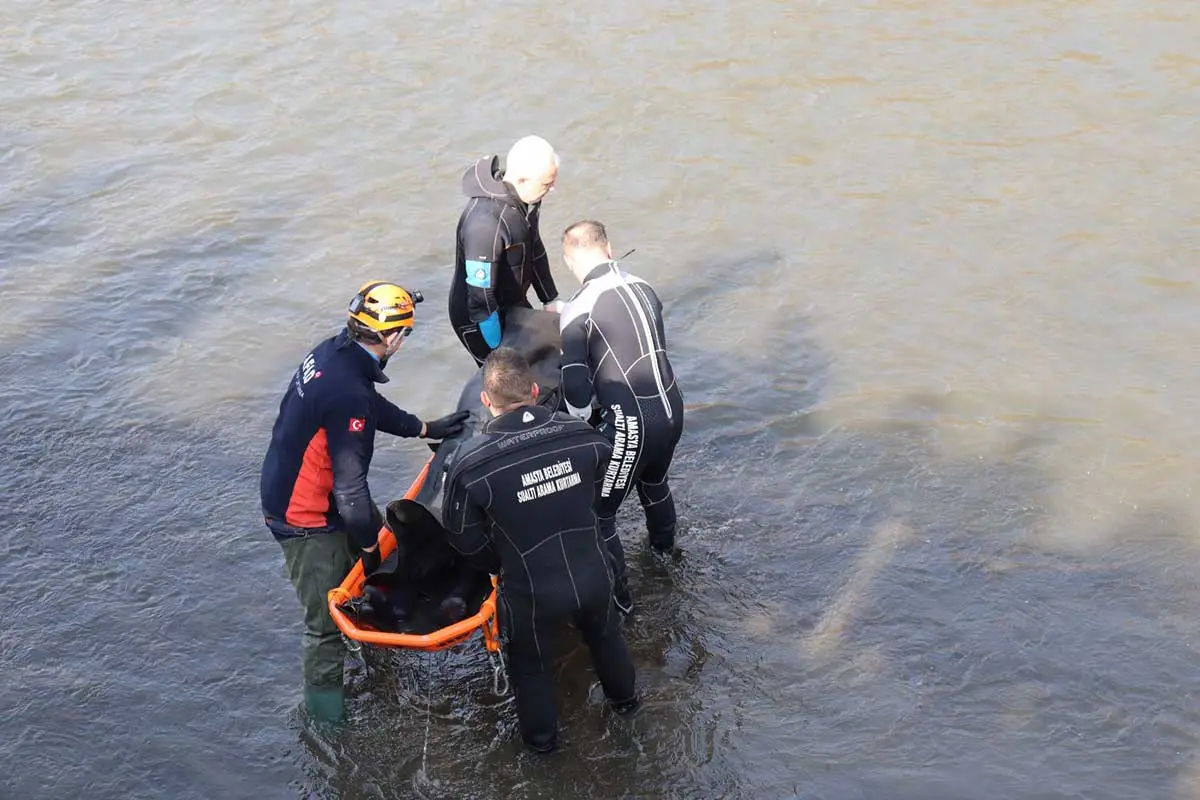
(315,496)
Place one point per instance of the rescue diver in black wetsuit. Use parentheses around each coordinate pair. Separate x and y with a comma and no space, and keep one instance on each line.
(614,349)
(520,498)
(499,252)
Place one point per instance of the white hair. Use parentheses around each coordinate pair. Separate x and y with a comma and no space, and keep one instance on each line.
(529,156)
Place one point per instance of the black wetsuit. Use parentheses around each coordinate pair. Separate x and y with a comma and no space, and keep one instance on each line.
(614,349)
(499,255)
(523,492)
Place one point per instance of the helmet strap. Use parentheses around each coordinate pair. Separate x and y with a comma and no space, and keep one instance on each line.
(391,349)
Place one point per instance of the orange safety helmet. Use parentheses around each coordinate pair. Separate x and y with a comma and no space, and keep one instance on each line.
(381,308)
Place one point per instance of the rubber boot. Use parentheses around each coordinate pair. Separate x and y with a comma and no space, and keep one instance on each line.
(662,543)
(325,703)
(542,744)
(626,707)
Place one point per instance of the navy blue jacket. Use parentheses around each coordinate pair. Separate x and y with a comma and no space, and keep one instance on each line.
(314,475)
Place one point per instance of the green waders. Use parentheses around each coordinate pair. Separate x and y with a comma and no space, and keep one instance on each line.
(316,564)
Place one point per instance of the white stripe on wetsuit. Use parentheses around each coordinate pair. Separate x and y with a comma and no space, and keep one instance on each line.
(586,300)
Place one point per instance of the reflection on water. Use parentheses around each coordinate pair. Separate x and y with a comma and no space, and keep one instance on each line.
(933,303)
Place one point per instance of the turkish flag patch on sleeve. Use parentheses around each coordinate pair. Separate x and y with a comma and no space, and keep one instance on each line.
(357,424)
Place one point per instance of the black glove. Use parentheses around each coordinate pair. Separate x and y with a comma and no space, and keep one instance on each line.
(370,561)
(449,425)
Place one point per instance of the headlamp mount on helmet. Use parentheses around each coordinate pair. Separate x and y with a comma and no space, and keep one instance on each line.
(381,308)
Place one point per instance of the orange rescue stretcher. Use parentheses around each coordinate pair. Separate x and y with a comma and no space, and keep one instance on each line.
(483,620)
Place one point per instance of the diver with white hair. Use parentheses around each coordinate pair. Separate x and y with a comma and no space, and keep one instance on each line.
(499,252)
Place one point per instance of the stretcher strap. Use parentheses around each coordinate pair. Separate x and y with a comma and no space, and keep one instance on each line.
(499,674)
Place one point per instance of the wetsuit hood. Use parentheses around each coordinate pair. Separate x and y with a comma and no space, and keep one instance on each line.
(599,269)
(484,178)
(517,419)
